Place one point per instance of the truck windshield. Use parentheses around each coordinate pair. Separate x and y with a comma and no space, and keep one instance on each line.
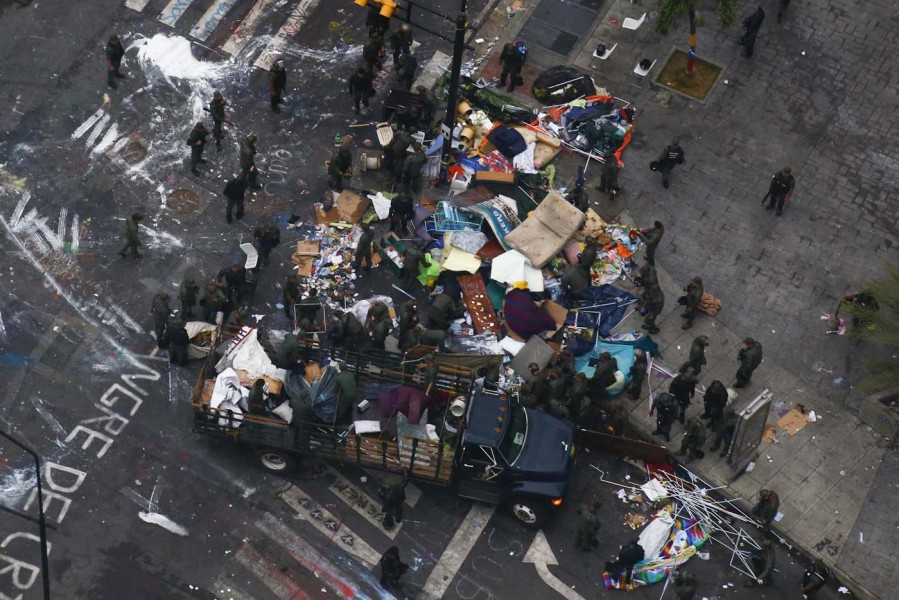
(516,432)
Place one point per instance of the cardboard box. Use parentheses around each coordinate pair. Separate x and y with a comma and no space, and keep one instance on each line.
(494,177)
(323,216)
(352,206)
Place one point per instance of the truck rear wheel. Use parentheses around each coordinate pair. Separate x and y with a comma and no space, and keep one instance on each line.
(275,460)
(529,512)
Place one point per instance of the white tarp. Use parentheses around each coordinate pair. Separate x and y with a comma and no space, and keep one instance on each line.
(512,266)
(195,328)
(247,354)
(655,535)
(228,394)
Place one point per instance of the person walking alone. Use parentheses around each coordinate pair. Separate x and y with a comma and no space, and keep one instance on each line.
(277,83)
(693,298)
(114,54)
(696,359)
(751,26)
(512,59)
(393,498)
(780,191)
(670,157)
(131,240)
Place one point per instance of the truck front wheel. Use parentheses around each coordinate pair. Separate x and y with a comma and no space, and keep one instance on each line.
(275,460)
(529,512)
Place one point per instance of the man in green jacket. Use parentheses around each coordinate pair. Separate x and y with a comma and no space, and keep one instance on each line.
(131,239)
(248,169)
(750,358)
(188,293)
(694,299)
(340,166)
(197,142)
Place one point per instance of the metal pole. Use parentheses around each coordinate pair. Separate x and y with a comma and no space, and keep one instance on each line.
(41,520)
(452,97)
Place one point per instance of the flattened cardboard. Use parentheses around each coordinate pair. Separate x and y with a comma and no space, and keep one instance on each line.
(352,206)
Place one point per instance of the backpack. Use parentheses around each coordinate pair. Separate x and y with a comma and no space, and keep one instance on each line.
(522,50)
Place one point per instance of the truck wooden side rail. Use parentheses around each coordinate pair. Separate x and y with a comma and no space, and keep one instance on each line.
(277,442)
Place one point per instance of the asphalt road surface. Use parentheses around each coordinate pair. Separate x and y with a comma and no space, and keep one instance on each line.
(142,507)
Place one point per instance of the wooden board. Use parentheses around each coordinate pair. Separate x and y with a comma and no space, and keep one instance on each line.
(274,385)
(474,293)
(322,216)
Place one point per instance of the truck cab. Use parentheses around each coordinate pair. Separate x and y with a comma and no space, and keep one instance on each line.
(515,456)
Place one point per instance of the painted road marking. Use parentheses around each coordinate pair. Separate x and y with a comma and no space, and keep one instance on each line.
(455,554)
(313,560)
(98,129)
(413,492)
(173,11)
(225,589)
(138,5)
(244,32)
(211,18)
(106,142)
(88,123)
(329,525)
(362,503)
(541,556)
(290,28)
(274,579)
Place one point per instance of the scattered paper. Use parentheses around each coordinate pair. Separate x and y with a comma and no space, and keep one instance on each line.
(479,41)
(778,517)
(861,537)
(843,589)
(622,494)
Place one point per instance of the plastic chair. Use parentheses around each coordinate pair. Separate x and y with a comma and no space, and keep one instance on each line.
(633,24)
(639,74)
(607,53)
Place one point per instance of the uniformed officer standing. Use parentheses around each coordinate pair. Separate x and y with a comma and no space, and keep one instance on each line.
(750,357)
(693,440)
(177,340)
(653,302)
(683,387)
(217,110)
(694,291)
(188,292)
(131,239)
(277,83)
(638,374)
(412,166)
(665,407)
(402,210)
(652,238)
(248,162)
(608,180)
(266,239)
(373,52)
(781,190)
(114,54)
(364,249)
(411,260)
(767,506)
(340,166)
(290,295)
(714,401)
(234,191)
(696,360)
(161,312)
(213,302)
(197,142)
(360,85)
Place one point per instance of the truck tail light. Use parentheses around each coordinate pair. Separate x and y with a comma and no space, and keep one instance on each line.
(557,502)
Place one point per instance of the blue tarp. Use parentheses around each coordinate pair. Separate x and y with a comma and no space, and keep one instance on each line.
(601,308)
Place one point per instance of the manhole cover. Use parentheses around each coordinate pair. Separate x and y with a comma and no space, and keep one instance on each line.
(133,152)
(184,201)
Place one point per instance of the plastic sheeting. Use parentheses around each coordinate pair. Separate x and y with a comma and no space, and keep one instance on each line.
(512,266)
(655,535)
(247,354)
(601,308)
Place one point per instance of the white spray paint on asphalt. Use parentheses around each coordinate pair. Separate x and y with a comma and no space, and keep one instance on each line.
(3,337)
(48,416)
(160,239)
(151,513)
(15,485)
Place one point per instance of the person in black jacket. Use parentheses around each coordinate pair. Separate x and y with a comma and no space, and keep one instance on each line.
(217,110)
(360,85)
(197,142)
(751,26)
(401,42)
(277,83)
(234,192)
(114,54)
(683,387)
(178,340)
(781,190)
(402,210)
(671,156)
(393,498)
(512,59)
(392,568)
(232,280)
(630,555)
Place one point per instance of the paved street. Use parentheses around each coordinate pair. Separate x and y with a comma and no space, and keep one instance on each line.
(84,387)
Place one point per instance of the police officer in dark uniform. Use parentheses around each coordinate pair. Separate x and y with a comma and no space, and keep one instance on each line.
(234,191)
(406,70)
(131,239)
(781,190)
(267,239)
(638,374)
(652,238)
(178,340)
(714,401)
(217,110)
(671,156)
(402,210)
(750,357)
(290,295)
(683,388)
(213,302)
(654,303)
(277,83)
(412,166)
(751,26)
(360,84)
(197,142)
(696,359)
(340,166)
(608,180)
(372,52)
(588,256)
(161,311)
(411,260)
(188,292)
(364,249)
(665,407)
(512,59)
(232,280)
(114,54)
(694,291)
(248,162)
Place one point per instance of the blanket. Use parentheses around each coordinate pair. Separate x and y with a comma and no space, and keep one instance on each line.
(508,141)
(601,308)
(524,317)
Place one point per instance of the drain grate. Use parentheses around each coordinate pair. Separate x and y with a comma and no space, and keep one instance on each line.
(184,201)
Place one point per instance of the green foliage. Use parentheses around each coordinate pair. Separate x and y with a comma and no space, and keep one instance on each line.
(879,327)
(671,10)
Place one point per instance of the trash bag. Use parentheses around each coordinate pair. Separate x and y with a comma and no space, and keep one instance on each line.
(561,84)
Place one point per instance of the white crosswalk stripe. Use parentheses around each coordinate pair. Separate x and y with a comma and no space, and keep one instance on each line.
(102,140)
(138,5)
(173,11)
(290,28)
(359,501)
(247,28)
(225,589)
(211,19)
